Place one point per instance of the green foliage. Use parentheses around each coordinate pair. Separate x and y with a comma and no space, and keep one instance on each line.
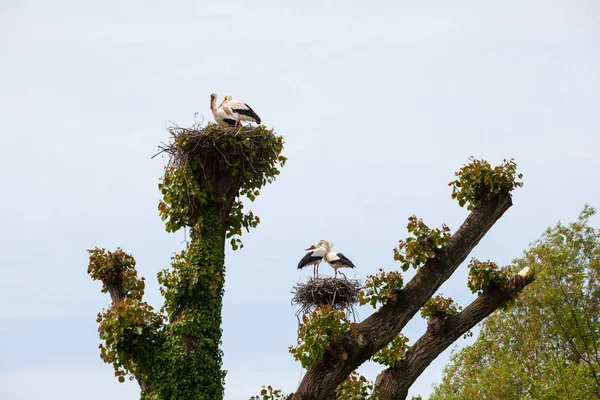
(181,198)
(210,168)
(417,249)
(196,273)
(320,330)
(478,182)
(193,292)
(355,387)
(392,354)
(440,307)
(268,393)
(486,275)
(116,268)
(547,345)
(135,339)
(130,330)
(380,288)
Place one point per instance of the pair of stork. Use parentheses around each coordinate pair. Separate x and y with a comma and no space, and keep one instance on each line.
(322,251)
(231,112)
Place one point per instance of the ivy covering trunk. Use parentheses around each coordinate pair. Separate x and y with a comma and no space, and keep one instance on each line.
(176,353)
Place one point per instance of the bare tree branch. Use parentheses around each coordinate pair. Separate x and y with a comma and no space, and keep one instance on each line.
(393,383)
(325,374)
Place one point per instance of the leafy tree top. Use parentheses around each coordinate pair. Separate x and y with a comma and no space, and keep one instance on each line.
(478,182)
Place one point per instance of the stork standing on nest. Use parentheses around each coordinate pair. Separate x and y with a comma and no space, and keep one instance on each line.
(315,256)
(221,117)
(338,260)
(239,111)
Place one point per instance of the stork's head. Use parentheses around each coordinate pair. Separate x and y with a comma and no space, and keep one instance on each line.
(321,243)
(213,99)
(225,100)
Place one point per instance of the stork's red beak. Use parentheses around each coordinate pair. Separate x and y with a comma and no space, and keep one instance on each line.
(311,247)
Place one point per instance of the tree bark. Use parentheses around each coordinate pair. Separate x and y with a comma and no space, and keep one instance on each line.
(393,383)
(325,374)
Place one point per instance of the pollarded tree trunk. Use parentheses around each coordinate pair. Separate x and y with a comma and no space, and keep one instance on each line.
(436,256)
(209,168)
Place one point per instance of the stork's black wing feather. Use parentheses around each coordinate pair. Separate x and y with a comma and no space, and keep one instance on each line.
(230,122)
(248,112)
(308,259)
(345,261)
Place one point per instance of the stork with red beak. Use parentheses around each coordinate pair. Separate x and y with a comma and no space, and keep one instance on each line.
(338,260)
(239,111)
(221,117)
(315,255)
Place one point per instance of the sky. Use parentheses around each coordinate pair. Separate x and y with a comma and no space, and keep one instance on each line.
(379,103)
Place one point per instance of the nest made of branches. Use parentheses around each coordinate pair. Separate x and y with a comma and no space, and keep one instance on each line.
(223,156)
(338,293)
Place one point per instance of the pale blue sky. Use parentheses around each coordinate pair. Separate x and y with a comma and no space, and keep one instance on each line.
(379,104)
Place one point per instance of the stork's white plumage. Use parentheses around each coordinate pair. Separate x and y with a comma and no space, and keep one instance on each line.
(221,117)
(338,260)
(239,111)
(315,256)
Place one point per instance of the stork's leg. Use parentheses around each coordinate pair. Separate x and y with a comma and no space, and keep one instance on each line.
(335,275)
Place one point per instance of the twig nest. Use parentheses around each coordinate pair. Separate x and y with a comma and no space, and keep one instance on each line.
(338,293)
(223,158)
(210,168)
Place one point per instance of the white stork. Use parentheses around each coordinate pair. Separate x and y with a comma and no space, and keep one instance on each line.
(239,111)
(219,113)
(338,260)
(315,256)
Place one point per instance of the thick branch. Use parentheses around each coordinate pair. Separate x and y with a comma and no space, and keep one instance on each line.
(115,289)
(325,374)
(393,383)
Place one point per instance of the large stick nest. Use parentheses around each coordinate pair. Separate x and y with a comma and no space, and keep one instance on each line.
(224,162)
(338,293)
(223,158)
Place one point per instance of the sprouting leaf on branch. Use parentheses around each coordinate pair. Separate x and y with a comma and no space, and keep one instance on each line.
(380,288)
(130,330)
(440,307)
(319,330)
(268,393)
(422,245)
(116,269)
(357,387)
(486,275)
(478,182)
(392,354)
